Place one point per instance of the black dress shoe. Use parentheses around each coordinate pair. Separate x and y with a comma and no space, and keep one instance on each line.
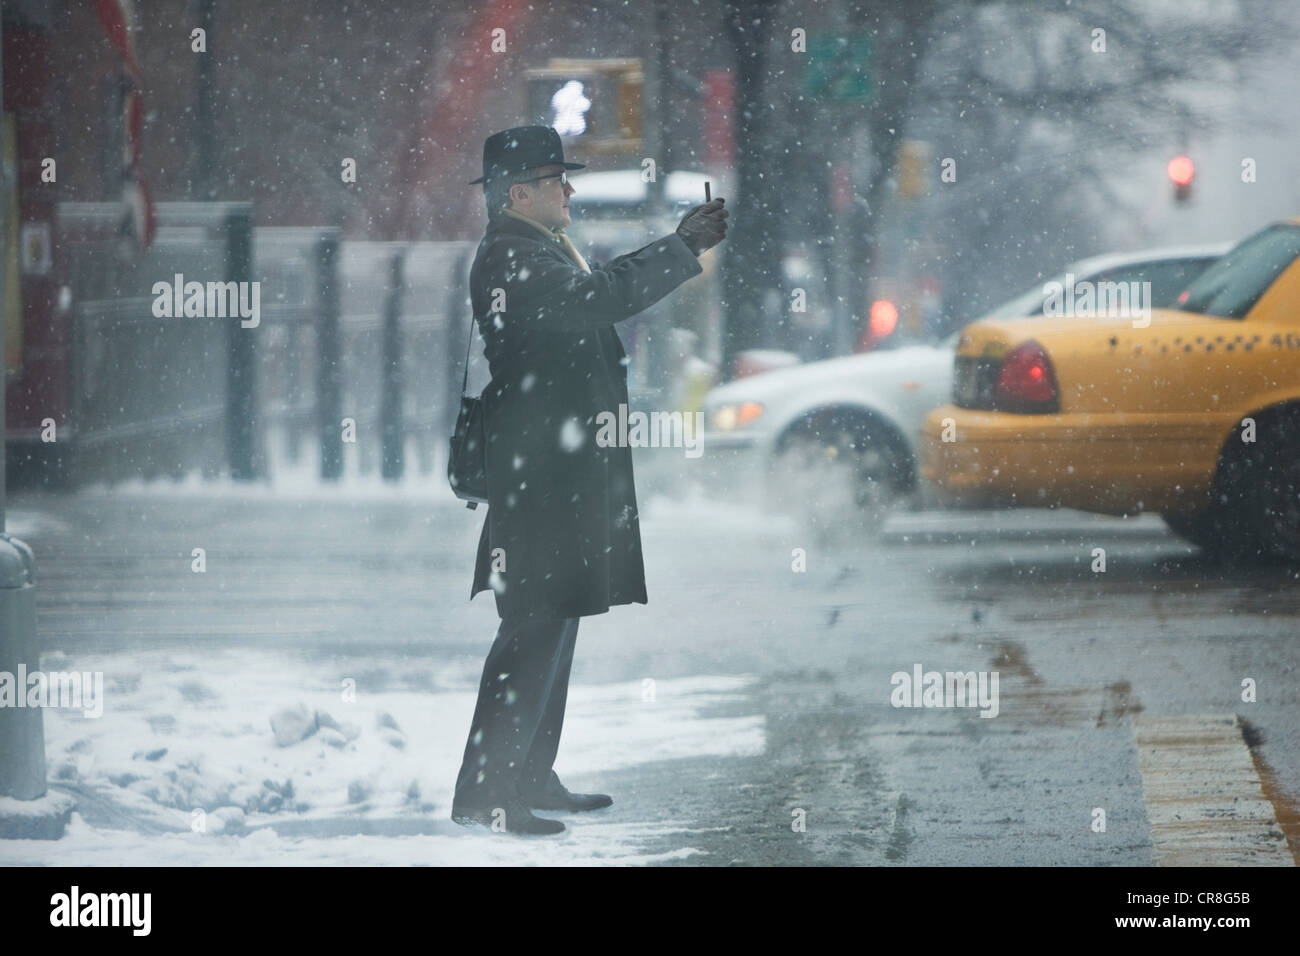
(554,796)
(514,815)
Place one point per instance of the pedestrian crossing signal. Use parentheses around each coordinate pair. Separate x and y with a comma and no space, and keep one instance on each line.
(596,101)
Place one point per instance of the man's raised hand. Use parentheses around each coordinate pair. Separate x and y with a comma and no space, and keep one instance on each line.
(704,226)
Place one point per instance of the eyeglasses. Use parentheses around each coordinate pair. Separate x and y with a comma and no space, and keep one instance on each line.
(562,177)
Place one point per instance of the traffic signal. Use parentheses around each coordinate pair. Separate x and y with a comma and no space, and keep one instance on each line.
(882,318)
(1181,172)
(913,159)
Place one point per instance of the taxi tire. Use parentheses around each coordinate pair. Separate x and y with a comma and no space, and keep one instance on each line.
(1198,528)
(1270,502)
(1255,510)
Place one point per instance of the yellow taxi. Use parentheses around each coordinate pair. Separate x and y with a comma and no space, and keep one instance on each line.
(1193,412)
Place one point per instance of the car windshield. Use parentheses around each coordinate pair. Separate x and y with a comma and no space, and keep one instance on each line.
(1232,286)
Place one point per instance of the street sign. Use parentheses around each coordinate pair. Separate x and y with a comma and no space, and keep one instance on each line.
(839,67)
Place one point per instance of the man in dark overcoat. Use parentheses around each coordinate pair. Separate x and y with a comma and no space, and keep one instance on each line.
(561,539)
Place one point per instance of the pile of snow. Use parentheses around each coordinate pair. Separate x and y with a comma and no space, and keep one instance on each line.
(263,758)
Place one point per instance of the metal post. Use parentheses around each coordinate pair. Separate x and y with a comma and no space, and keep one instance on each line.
(654,331)
(392,390)
(329,358)
(205,140)
(652,115)
(241,370)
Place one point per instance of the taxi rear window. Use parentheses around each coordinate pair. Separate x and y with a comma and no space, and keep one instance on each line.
(1232,286)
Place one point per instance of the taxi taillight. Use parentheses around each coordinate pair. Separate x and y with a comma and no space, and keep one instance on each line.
(1026,382)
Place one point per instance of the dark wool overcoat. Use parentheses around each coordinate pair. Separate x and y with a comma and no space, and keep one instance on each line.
(561,537)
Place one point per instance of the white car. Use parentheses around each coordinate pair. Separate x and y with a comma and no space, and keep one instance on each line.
(835,442)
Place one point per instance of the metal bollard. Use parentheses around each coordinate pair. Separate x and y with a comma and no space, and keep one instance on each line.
(22,730)
(241,363)
(329,357)
(391,380)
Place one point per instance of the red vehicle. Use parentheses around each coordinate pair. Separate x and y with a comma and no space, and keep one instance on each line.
(37,353)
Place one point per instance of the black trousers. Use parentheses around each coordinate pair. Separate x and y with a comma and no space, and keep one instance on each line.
(515,733)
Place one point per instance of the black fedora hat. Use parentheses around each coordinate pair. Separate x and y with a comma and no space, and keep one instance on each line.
(522,147)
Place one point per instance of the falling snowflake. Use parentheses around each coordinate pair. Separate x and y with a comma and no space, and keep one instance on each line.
(572,437)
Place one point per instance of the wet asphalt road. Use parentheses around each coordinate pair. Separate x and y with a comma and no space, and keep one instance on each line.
(1080,654)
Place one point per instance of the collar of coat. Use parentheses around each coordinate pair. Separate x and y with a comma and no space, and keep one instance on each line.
(555,235)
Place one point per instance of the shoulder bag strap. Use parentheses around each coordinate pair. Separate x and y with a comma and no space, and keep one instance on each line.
(464,381)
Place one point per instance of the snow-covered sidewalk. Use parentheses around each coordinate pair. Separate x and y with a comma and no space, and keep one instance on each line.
(263,758)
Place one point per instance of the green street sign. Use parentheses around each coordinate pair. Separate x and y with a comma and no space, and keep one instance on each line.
(839,66)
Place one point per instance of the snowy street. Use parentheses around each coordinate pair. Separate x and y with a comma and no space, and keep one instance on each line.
(627,436)
(743,693)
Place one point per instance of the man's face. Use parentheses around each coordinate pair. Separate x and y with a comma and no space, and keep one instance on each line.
(545,200)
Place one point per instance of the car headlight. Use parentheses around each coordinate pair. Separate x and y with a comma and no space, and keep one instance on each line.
(725,418)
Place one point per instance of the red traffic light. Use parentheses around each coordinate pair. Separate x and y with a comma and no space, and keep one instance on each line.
(883,318)
(1181,170)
